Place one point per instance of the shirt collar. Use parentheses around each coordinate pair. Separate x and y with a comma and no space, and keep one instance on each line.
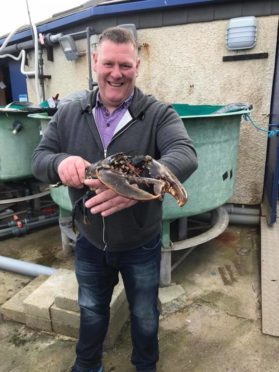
(125,104)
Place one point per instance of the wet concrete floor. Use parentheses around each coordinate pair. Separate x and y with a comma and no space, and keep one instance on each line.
(217,326)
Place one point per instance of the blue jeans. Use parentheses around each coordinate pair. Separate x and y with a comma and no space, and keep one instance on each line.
(97,274)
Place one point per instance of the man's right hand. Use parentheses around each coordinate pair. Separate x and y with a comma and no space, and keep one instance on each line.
(72,171)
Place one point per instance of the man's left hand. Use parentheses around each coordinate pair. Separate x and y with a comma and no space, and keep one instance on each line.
(106,202)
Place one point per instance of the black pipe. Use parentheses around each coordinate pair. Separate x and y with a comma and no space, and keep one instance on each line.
(90,78)
(26,221)
(41,72)
(15,48)
(19,231)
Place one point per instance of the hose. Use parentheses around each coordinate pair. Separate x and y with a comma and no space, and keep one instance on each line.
(22,55)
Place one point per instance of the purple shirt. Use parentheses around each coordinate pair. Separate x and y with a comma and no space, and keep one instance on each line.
(107,122)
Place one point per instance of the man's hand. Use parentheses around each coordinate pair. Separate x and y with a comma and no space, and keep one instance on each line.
(72,171)
(106,202)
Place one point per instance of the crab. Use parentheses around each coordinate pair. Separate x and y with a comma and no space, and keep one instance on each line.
(138,177)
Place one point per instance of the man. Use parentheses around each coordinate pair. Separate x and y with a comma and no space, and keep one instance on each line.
(123,235)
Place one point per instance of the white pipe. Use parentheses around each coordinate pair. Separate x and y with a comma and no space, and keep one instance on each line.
(243,215)
(8,38)
(12,56)
(22,56)
(234,218)
(244,210)
(25,268)
(36,53)
(242,219)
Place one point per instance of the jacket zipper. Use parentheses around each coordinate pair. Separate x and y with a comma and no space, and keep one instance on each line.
(105,155)
(103,218)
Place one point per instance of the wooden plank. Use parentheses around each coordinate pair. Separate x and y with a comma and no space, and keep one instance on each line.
(270,277)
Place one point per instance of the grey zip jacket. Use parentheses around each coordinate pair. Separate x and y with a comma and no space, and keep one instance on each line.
(152,128)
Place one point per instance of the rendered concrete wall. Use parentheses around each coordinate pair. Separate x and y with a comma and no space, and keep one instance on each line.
(183,64)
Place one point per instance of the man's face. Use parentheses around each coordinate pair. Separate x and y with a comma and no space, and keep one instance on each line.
(116,66)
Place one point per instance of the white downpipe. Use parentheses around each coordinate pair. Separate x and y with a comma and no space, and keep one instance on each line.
(24,268)
(36,59)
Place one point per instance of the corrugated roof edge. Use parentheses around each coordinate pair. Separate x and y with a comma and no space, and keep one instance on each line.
(79,13)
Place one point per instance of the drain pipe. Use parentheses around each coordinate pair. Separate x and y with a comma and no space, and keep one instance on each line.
(239,219)
(243,215)
(24,268)
(237,215)
(243,210)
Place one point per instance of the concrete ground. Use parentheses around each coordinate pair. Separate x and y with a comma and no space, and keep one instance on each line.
(214,326)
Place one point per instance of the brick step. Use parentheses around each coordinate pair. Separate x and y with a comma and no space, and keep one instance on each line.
(50,304)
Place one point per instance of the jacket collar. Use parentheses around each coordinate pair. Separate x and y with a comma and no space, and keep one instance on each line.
(139,103)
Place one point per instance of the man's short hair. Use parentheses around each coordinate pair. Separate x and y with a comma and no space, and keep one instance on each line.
(118,35)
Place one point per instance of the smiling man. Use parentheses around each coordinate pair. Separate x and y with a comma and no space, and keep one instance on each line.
(117,67)
(123,235)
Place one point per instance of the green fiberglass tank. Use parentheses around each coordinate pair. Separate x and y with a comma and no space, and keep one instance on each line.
(19,135)
(216,139)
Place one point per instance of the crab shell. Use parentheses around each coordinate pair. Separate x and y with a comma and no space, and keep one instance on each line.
(138,177)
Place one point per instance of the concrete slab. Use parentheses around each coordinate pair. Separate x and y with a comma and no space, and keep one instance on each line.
(67,299)
(39,302)
(65,317)
(65,322)
(66,330)
(270,278)
(36,322)
(50,304)
(13,309)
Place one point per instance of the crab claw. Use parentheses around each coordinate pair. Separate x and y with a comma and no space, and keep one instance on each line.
(172,185)
(126,185)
